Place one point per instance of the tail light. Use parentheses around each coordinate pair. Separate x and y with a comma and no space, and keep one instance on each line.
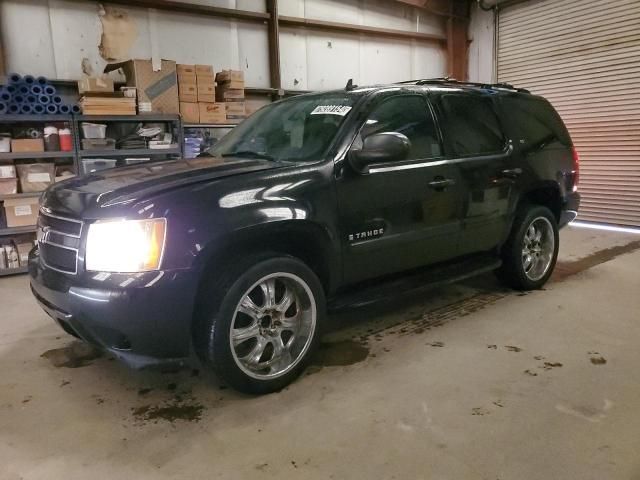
(576,168)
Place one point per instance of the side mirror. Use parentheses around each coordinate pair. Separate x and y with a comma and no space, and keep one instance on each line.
(380,148)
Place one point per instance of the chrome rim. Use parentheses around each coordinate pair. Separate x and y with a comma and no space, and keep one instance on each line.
(273,326)
(538,247)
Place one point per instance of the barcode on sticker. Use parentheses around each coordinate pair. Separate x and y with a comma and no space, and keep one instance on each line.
(341,110)
(22,210)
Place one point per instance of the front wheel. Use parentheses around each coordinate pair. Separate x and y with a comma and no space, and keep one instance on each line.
(529,255)
(264,330)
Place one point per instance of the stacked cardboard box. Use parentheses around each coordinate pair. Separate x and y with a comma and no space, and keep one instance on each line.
(98,98)
(196,87)
(230,90)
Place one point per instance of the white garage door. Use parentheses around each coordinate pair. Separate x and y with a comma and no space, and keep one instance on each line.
(584,56)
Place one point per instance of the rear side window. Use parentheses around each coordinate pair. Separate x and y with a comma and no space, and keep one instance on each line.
(471,124)
(534,121)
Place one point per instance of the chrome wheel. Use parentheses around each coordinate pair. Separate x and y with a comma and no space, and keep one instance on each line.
(538,247)
(273,326)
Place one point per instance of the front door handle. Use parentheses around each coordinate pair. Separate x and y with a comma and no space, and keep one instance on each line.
(440,183)
(511,172)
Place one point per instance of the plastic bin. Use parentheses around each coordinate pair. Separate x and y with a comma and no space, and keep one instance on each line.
(94,130)
(98,144)
(90,165)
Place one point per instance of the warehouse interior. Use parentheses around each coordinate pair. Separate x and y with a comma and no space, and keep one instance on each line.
(466,379)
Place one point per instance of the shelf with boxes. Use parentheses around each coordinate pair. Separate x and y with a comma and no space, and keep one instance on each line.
(36,151)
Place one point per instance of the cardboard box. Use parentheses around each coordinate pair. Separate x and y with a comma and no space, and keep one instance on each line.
(36,177)
(229,94)
(187,79)
(21,212)
(27,145)
(188,92)
(206,93)
(184,69)
(230,76)
(204,71)
(190,112)
(212,113)
(23,252)
(233,84)
(7,171)
(95,84)
(235,108)
(8,186)
(157,87)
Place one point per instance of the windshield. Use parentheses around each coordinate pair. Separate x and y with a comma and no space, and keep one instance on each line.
(298,130)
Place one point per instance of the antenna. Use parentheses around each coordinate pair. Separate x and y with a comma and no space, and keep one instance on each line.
(350,86)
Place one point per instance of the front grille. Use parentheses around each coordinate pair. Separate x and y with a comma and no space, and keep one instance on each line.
(59,242)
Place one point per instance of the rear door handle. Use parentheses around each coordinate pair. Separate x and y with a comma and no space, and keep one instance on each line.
(440,183)
(511,172)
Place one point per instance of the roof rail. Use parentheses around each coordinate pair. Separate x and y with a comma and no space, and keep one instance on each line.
(453,81)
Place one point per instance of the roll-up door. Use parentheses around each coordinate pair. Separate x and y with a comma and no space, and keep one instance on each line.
(584,57)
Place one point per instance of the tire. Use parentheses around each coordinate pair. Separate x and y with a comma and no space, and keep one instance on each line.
(262,323)
(530,253)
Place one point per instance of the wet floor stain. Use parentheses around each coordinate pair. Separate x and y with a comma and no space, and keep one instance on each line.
(172,411)
(565,269)
(436,344)
(550,365)
(513,348)
(530,373)
(76,354)
(337,354)
(598,360)
(144,391)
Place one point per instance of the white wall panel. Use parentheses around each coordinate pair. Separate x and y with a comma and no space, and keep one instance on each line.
(481,46)
(331,60)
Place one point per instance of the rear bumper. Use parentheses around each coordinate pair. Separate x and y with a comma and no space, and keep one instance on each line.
(143,319)
(570,209)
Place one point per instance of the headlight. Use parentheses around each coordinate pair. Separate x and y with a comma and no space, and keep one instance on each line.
(125,245)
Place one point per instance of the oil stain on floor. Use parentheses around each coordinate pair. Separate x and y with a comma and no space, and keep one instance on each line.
(172,411)
(76,354)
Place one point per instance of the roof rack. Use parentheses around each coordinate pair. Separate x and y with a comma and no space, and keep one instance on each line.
(453,81)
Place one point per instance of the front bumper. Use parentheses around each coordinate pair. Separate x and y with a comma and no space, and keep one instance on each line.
(143,319)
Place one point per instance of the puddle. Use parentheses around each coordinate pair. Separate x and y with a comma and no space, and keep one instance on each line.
(338,354)
(567,269)
(173,411)
(76,354)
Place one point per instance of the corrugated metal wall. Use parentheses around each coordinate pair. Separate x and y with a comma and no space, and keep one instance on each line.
(584,56)
(51,38)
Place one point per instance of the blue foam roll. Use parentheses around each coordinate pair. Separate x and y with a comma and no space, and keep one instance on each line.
(14,108)
(26,108)
(51,109)
(3,107)
(76,109)
(57,99)
(15,78)
(24,89)
(38,109)
(11,89)
(44,99)
(50,90)
(31,99)
(29,79)
(64,109)
(36,89)
(18,98)
(42,81)
(5,96)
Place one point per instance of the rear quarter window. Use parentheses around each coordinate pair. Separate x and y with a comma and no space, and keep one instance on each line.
(534,121)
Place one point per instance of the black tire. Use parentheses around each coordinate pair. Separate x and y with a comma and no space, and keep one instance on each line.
(513,272)
(217,310)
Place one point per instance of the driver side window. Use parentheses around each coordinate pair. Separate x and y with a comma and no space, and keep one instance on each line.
(410,116)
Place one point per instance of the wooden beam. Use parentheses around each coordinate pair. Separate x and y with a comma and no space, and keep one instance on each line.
(350,28)
(274,45)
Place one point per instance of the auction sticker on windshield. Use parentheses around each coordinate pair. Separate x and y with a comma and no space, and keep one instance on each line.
(341,110)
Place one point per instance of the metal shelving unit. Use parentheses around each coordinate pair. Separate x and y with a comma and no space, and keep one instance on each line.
(146,152)
(17,230)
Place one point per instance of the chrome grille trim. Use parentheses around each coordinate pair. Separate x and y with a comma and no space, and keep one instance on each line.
(43,240)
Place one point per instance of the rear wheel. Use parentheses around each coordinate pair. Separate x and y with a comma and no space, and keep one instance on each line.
(264,329)
(529,255)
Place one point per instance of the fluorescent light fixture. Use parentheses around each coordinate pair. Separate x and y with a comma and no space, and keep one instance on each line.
(125,246)
(608,228)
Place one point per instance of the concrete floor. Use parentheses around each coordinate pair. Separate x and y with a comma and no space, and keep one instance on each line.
(468,382)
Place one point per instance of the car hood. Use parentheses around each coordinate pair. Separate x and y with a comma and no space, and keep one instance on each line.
(125,185)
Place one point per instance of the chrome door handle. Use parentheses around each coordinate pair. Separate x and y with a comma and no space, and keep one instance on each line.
(511,172)
(440,183)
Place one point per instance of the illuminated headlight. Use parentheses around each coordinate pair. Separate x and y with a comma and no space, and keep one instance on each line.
(125,245)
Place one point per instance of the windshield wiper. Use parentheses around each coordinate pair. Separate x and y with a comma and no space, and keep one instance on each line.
(249,154)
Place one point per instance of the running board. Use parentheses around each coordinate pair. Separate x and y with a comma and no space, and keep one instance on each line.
(426,279)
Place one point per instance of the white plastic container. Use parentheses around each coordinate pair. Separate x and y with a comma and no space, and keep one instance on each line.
(94,130)
(90,165)
(5,143)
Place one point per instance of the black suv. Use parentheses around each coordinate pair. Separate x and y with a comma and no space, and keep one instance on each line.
(323,199)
